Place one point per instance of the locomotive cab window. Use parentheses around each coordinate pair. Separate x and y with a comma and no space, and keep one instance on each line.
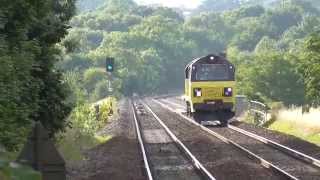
(213,72)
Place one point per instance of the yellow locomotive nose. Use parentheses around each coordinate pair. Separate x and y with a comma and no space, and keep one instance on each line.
(214,96)
(210,84)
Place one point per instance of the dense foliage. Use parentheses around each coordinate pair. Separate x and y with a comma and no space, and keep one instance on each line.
(274,45)
(31,88)
(269,41)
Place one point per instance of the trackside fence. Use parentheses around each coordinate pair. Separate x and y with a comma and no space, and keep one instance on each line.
(259,111)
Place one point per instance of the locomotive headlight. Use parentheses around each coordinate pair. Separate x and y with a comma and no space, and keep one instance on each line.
(197,92)
(228,91)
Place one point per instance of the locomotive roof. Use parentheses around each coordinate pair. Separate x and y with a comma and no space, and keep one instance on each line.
(219,58)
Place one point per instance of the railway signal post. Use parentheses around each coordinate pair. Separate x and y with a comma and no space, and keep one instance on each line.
(109,69)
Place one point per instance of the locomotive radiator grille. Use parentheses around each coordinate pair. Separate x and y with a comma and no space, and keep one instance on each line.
(212,92)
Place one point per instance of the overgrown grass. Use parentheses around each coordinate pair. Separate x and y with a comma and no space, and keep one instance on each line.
(72,145)
(293,122)
(82,135)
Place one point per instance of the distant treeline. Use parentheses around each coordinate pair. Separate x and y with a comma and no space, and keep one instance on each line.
(273,47)
(206,5)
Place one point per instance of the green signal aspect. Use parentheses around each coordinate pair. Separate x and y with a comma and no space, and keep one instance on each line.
(109,64)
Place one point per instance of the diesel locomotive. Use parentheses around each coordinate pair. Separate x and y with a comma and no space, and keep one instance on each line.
(210,84)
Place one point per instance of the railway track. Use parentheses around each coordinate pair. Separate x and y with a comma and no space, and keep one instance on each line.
(164,155)
(289,151)
(218,157)
(287,161)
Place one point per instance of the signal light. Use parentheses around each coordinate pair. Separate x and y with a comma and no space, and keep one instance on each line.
(109,64)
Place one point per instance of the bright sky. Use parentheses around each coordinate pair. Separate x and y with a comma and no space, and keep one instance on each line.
(172,3)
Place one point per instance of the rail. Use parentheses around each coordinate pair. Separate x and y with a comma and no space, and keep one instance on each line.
(144,155)
(257,158)
(284,149)
(287,150)
(195,161)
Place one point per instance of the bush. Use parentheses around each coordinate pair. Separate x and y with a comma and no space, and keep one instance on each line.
(82,133)
(92,76)
(275,108)
(101,90)
(107,109)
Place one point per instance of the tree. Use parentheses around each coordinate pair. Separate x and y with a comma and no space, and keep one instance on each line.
(32,87)
(243,12)
(92,76)
(309,67)
(250,31)
(280,81)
